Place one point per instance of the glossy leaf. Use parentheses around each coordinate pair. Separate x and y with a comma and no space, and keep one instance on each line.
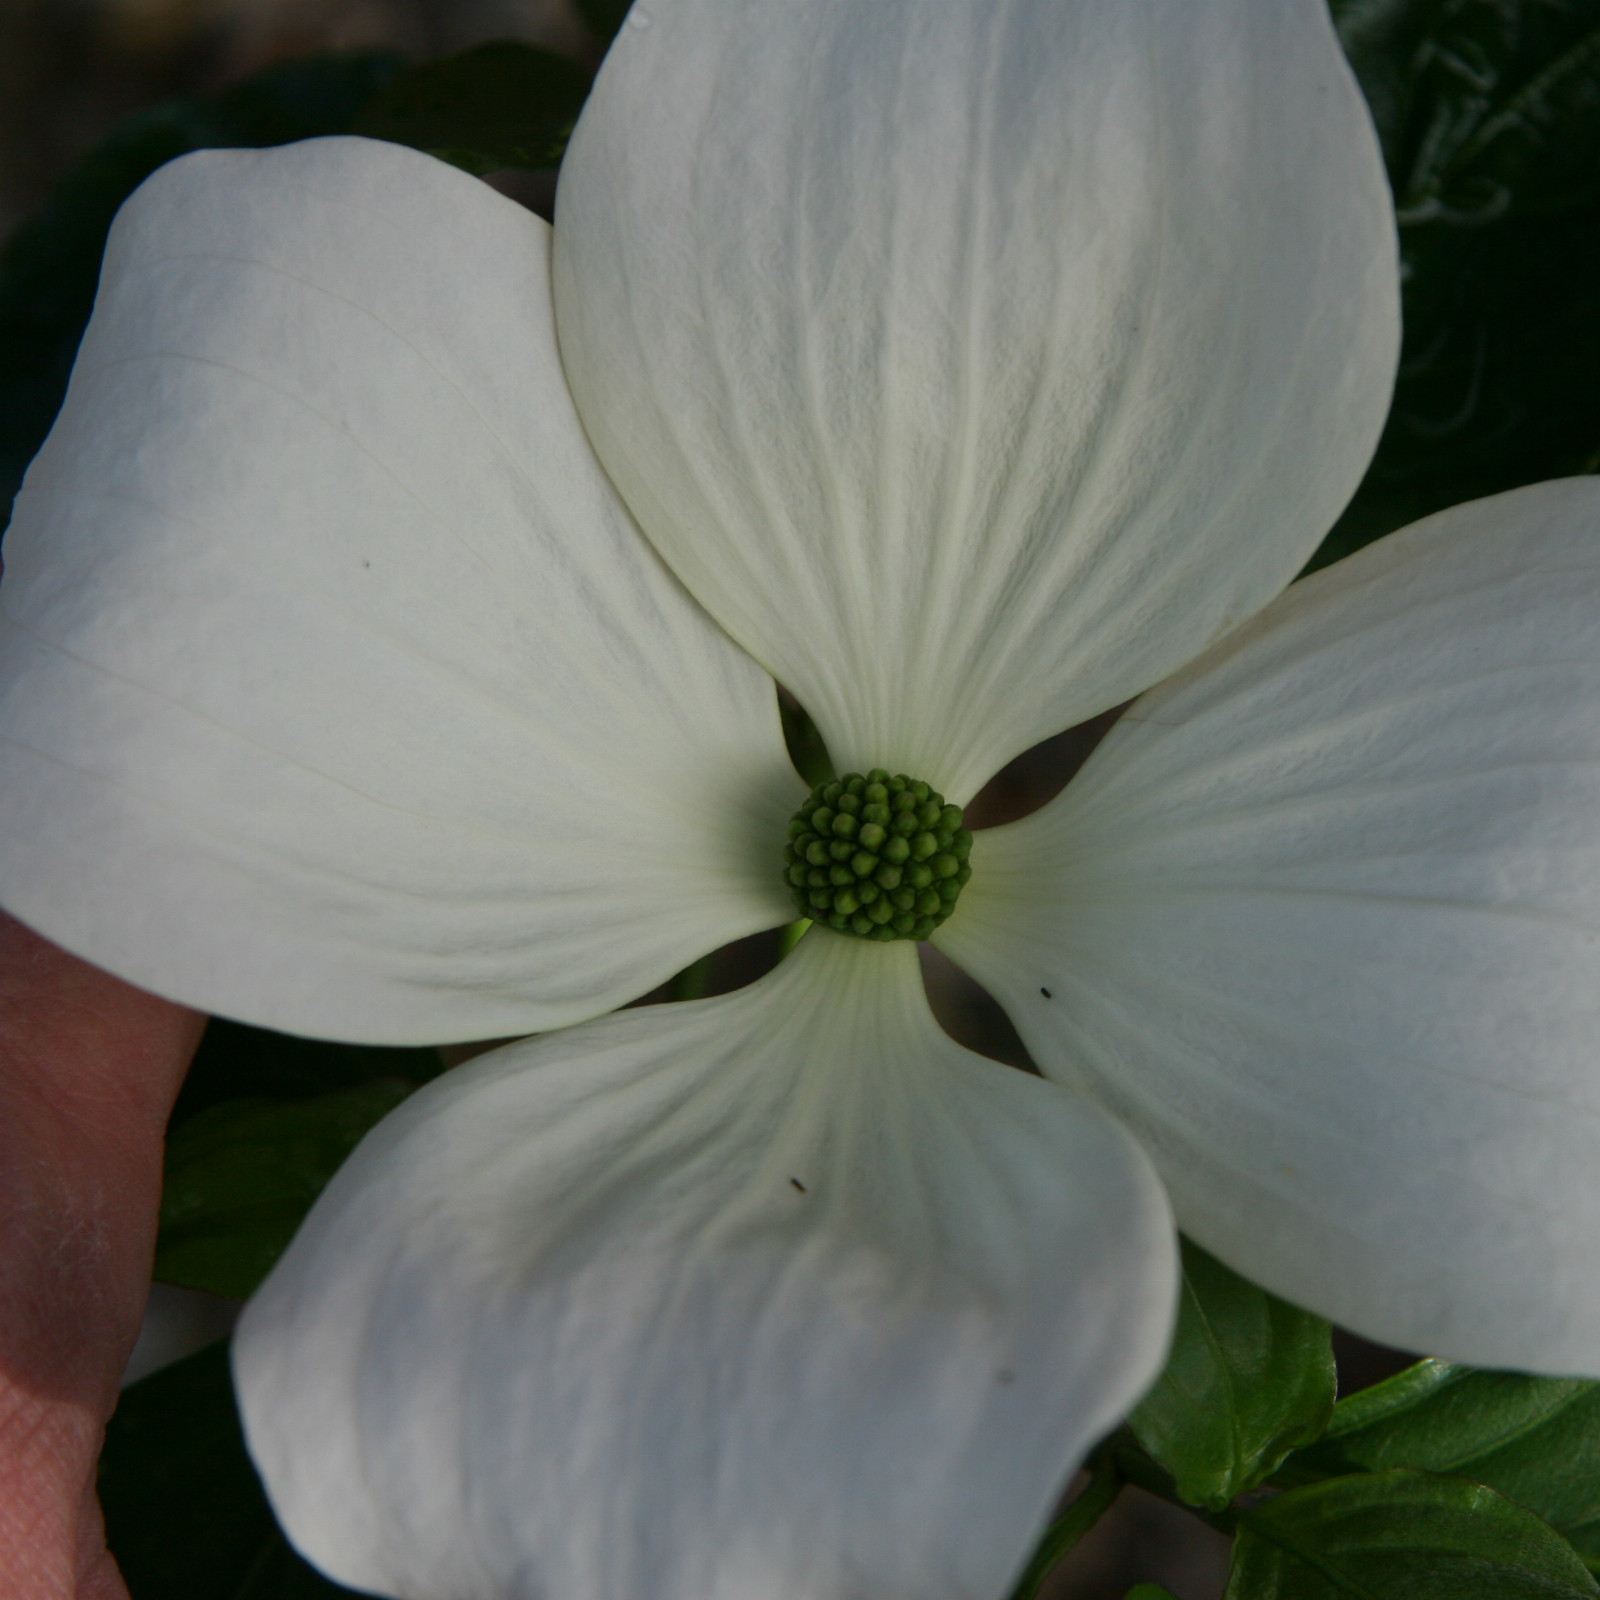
(1490,121)
(50,266)
(185,1514)
(1401,1536)
(501,104)
(1535,1440)
(241,1176)
(1249,1378)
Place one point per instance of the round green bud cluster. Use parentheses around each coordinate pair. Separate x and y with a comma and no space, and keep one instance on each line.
(879,857)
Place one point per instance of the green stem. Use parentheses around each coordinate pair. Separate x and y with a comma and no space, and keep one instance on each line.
(1070,1527)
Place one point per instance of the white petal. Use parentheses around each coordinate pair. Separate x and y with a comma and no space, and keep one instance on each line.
(338,692)
(977,364)
(779,1296)
(1320,921)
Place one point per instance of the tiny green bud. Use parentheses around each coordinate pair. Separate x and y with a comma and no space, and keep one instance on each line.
(877,856)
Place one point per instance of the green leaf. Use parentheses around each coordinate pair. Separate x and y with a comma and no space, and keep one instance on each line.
(51,265)
(185,1514)
(241,1176)
(1490,120)
(502,104)
(1250,1377)
(1148,1591)
(1401,1536)
(1535,1440)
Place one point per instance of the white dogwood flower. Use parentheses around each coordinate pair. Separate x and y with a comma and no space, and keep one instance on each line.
(974,366)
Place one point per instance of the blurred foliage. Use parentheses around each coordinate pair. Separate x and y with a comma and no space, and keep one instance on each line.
(264,1121)
(1489,115)
(235,1061)
(241,1177)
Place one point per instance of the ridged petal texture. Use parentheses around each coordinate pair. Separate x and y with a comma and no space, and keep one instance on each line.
(776,1296)
(338,691)
(1320,922)
(977,364)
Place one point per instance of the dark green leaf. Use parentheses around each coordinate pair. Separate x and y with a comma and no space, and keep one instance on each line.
(1148,1591)
(185,1514)
(51,265)
(1536,1440)
(241,1176)
(1249,1378)
(1401,1536)
(1490,120)
(502,104)
(238,1062)
(1383,39)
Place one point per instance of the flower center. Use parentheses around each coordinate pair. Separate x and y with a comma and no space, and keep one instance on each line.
(879,857)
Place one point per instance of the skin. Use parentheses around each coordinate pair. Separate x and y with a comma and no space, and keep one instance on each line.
(89,1070)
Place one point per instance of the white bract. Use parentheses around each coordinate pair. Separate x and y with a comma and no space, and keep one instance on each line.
(974,367)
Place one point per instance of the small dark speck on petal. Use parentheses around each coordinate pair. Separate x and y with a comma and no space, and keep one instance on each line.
(1006,1375)
(1045,992)
(797,1183)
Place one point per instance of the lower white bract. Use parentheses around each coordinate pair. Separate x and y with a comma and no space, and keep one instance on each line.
(387,647)
(740,1262)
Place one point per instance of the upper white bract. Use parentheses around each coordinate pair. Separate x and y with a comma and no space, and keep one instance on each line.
(974,366)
